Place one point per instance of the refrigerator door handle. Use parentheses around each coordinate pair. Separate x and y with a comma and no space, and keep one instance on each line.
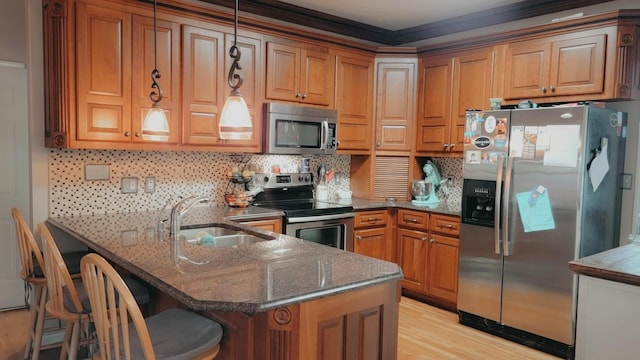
(498,206)
(507,245)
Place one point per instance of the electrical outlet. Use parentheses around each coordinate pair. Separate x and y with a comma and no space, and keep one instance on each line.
(129,185)
(149,184)
(449,179)
(627,179)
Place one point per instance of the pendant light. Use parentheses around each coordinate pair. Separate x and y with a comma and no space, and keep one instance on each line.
(155,125)
(235,120)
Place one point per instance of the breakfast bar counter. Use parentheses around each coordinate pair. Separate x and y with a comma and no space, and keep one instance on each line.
(290,298)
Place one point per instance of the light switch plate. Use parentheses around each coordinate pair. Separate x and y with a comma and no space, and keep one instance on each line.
(129,185)
(149,184)
(93,172)
(627,180)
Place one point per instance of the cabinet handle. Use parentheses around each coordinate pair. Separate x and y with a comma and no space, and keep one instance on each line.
(424,238)
(445,146)
(127,133)
(431,241)
(138,134)
(451,147)
(411,220)
(378,143)
(553,89)
(372,219)
(358,237)
(544,89)
(448,226)
(298,95)
(304,96)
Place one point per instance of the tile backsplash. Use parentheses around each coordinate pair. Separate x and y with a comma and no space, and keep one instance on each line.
(181,174)
(176,174)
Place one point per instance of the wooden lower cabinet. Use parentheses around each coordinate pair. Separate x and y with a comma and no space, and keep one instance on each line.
(442,269)
(412,257)
(273,224)
(360,324)
(372,235)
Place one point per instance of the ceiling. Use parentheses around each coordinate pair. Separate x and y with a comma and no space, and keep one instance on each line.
(397,22)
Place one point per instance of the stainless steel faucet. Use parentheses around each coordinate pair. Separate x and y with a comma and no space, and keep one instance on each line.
(180,209)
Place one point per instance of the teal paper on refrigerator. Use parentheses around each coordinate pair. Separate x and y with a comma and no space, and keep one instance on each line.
(541,188)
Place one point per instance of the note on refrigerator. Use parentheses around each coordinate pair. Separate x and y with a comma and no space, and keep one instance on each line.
(562,147)
(599,167)
(535,210)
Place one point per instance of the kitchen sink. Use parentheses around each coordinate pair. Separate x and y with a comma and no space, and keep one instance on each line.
(217,236)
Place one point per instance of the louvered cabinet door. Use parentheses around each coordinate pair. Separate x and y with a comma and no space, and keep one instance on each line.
(391,177)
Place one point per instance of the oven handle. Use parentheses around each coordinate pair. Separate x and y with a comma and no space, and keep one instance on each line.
(293,220)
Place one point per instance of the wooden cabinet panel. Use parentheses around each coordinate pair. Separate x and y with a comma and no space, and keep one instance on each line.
(395,110)
(443,268)
(203,69)
(560,66)
(103,45)
(299,74)
(374,242)
(444,224)
(449,85)
(168,62)
(412,258)
(418,220)
(371,218)
(354,102)
(274,225)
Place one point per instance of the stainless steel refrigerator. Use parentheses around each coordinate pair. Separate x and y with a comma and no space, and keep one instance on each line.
(541,188)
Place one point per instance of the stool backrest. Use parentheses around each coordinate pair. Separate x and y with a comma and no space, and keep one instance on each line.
(113,308)
(58,277)
(28,247)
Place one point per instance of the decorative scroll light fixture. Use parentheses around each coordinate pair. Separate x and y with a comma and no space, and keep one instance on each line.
(235,120)
(155,125)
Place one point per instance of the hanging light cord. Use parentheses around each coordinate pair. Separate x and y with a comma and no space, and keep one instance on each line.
(235,80)
(156,94)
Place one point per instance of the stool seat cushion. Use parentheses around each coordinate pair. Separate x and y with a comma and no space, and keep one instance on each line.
(178,334)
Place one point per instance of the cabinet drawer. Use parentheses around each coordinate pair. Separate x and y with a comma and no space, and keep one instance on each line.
(413,219)
(444,224)
(370,218)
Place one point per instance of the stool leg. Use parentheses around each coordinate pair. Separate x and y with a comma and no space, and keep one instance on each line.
(42,312)
(33,316)
(75,338)
(67,339)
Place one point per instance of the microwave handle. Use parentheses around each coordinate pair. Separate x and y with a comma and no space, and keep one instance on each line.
(324,135)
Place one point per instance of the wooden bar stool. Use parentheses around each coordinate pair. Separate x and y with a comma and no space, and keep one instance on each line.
(124,334)
(32,273)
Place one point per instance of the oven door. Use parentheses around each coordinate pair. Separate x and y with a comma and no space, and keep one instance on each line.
(334,230)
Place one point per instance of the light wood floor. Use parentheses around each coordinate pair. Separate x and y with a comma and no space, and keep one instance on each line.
(426,332)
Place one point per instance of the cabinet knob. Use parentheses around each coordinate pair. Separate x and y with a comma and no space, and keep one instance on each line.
(451,147)
(445,146)
(127,133)
(553,89)
(138,134)
(298,95)
(431,241)
(304,96)
(544,89)
(358,237)
(424,238)
(378,144)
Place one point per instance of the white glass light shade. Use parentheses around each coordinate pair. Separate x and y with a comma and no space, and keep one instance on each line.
(155,126)
(235,120)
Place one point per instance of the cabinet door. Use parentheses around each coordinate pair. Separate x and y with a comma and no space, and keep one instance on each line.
(354,102)
(168,51)
(472,83)
(103,74)
(395,113)
(274,225)
(316,79)
(577,66)
(527,70)
(434,114)
(251,89)
(412,257)
(283,72)
(203,74)
(443,268)
(374,242)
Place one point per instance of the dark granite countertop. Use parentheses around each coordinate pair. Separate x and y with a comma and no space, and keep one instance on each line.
(246,278)
(443,207)
(621,264)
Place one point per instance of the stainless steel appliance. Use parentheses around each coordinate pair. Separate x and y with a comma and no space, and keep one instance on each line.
(541,188)
(322,222)
(292,129)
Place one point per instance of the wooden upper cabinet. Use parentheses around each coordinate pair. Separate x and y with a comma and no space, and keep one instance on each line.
(103,51)
(168,62)
(560,66)
(448,86)
(299,73)
(354,102)
(202,84)
(395,104)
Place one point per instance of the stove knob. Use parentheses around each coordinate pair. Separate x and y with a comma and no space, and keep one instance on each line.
(266,179)
(300,178)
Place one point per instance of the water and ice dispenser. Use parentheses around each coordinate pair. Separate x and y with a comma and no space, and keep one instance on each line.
(478,202)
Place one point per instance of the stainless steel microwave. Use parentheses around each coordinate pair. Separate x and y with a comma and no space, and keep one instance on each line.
(292,129)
